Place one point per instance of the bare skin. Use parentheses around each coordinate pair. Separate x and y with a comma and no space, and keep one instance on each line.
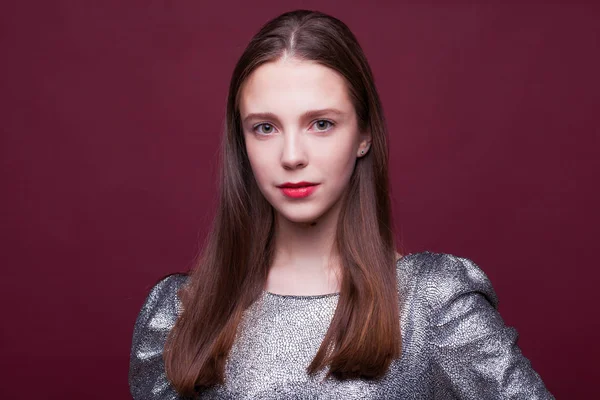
(287,145)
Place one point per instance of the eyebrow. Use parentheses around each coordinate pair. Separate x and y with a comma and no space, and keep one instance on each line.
(305,115)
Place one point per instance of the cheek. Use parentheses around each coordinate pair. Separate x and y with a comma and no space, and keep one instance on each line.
(340,169)
(338,159)
(260,162)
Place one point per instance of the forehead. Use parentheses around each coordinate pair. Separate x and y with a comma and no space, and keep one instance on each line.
(290,86)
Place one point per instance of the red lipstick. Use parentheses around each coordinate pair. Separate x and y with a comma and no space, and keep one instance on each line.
(298,190)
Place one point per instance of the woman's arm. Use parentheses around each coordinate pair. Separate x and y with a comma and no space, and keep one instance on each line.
(475,355)
(147,378)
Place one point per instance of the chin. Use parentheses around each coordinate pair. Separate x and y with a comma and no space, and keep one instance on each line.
(300,216)
(304,213)
(301,219)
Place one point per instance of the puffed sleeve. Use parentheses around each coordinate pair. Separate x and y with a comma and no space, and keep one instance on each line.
(147,377)
(474,354)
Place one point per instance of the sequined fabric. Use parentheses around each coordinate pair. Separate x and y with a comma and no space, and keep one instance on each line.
(455,343)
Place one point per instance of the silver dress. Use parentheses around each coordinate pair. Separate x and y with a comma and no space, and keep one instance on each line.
(455,344)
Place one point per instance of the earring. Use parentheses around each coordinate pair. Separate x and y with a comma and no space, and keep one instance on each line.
(362,152)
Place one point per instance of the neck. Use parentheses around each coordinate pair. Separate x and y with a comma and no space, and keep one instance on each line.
(305,259)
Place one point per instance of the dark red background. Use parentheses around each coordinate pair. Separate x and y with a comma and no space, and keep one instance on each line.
(111,114)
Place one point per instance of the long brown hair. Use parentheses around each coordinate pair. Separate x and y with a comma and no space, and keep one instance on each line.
(231,272)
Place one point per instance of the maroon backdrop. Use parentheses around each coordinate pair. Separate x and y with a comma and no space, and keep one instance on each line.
(111,114)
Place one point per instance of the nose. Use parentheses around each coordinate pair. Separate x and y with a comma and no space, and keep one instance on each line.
(293,155)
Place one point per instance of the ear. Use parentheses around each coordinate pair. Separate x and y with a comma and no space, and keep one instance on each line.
(364,144)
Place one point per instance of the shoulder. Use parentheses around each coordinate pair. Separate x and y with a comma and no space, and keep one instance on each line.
(162,301)
(440,278)
(473,353)
(147,379)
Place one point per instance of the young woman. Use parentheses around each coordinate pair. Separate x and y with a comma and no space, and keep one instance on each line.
(299,291)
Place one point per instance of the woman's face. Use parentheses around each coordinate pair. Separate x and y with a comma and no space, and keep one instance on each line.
(300,129)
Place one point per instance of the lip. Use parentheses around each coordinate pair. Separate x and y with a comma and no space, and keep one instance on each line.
(298,190)
(296,185)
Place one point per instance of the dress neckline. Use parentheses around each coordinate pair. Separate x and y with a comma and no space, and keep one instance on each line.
(310,296)
(299,296)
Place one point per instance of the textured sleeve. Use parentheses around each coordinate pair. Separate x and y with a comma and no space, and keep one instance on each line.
(474,354)
(147,377)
